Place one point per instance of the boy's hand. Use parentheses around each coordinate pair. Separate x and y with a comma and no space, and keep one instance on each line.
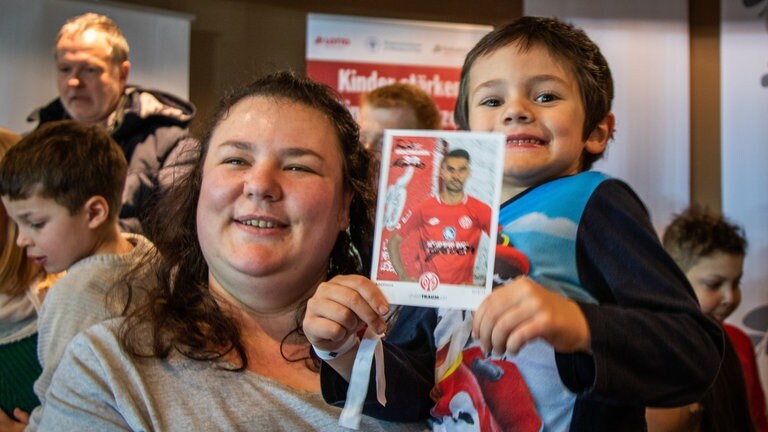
(523,310)
(340,308)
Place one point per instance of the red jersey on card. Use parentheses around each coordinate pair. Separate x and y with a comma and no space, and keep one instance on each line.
(449,235)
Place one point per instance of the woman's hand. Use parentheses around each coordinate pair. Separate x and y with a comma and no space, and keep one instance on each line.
(523,310)
(340,308)
(7,424)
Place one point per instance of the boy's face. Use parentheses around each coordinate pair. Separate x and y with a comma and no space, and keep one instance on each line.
(715,279)
(52,236)
(535,102)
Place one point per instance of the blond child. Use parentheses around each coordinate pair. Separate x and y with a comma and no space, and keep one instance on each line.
(62,185)
(394,106)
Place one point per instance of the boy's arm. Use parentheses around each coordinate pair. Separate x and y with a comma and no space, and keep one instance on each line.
(650,342)
(409,359)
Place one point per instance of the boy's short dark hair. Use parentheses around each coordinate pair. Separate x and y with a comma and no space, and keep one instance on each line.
(566,43)
(696,233)
(68,162)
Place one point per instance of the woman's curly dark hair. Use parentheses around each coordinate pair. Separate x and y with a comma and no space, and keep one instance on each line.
(181,313)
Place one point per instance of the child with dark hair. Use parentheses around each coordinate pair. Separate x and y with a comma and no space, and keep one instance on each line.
(710,250)
(22,287)
(62,184)
(602,322)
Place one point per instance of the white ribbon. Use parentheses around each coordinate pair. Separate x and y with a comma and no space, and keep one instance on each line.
(370,348)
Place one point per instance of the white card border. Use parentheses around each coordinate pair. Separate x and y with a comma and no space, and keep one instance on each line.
(466,297)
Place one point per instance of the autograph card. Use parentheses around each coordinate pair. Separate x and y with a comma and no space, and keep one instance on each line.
(437,217)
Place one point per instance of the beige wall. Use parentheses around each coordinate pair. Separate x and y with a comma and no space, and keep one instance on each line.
(233,39)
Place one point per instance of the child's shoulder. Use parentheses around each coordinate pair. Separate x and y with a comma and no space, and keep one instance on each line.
(81,279)
(141,244)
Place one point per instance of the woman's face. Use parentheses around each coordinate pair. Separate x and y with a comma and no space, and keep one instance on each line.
(271,202)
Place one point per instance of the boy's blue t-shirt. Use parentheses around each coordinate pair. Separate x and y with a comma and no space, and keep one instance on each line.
(588,236)
(539,227)
(542,225)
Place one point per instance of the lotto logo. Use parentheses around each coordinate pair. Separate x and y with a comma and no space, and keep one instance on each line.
(429,281)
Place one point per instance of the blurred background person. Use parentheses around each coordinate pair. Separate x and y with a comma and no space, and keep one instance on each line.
(149,125)
(394,106)
(710,250)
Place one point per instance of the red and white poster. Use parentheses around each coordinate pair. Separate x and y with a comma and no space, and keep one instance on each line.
(356,55)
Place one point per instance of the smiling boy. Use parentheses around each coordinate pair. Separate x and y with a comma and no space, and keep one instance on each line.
(602,322)
(597,269)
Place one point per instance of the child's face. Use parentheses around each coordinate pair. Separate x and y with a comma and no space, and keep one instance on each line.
(52,236)
(535,102)
(715,279)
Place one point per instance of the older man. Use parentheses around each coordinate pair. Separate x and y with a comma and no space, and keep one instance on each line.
(151,126)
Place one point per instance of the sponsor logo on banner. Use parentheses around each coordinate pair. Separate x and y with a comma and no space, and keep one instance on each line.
(333,41)
(450,50)
(376,44)
(373,43)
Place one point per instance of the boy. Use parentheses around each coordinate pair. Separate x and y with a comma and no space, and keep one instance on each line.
(602,322)
(710,250)
(62,184)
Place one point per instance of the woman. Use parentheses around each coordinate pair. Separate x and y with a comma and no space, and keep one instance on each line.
(22,286)
(244,240)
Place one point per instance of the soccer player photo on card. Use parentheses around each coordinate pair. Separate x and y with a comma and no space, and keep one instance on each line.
(435,217)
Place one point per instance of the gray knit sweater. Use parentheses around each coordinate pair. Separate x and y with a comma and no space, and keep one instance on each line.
(92,291)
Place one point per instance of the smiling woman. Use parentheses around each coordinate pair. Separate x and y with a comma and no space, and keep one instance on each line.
(278,202)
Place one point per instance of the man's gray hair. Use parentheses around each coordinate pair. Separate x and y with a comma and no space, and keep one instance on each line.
(80,24)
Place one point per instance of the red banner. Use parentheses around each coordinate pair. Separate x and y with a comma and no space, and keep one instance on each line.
(353,79)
